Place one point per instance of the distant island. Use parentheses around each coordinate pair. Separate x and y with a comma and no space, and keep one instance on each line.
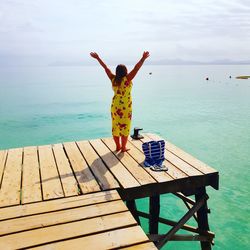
(242,77)
(158,62)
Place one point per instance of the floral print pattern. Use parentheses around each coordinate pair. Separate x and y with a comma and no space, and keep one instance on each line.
(121,108)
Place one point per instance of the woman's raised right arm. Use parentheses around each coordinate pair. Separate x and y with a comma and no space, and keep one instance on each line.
(107,70)
(134,71)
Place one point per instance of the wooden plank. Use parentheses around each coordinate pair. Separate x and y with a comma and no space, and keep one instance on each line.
(51,185)
(85,178)
(68,180)
(31,186)
(115,166)
(3,155)
(11,183)
(143,246)
(177,164)
(133,166)
(105,179)
(58,204)
(201,166)
(108,240)
(136,152)
(66,231)
(59,217)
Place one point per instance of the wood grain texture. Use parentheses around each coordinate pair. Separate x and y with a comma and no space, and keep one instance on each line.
(105,179)
(85,178)
(143,246)
(107,240)
(142,176)
(59,217)
(66,231)
(51,184)
(124,177)
(57,204)
(31,186)
(3,155)
(11,183)
(67,177)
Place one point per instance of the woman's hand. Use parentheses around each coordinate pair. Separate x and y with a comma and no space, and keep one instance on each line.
(94,55)
(145,55)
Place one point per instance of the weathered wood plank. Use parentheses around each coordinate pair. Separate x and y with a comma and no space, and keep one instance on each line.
(85,178)
(201,166)
(136,152)
(11,183)
(108,240)
(103,175)
(51,185)
(58,204)
(69,230)
(116,167)
(143,246)
(59,217)
(133,166)
(31,186)
(3,155)
(177,165)
(68,180)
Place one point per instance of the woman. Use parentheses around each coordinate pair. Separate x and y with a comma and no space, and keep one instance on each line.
(121,107)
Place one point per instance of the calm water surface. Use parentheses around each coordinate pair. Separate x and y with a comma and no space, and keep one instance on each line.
(209,119)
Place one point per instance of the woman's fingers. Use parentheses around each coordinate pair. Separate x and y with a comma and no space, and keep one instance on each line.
(94,54)
(145,54)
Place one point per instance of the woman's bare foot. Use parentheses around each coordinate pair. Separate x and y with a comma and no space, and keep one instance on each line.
(124,140)
(125,149)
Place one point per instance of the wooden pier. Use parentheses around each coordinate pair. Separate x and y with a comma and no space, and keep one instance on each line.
(71,196)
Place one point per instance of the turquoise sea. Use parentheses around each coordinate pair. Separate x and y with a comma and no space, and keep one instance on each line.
(209,119)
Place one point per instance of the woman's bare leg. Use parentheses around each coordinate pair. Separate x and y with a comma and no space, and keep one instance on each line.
(124,143)
(117,142)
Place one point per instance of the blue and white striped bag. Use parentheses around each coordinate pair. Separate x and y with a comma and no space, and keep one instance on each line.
(154,153)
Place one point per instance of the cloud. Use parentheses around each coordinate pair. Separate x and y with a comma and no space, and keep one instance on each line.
(65,30)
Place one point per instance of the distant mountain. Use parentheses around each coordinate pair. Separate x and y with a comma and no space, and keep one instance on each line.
(159,62)
(187,62)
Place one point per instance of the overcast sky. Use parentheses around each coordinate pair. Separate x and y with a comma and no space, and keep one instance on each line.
(47,31)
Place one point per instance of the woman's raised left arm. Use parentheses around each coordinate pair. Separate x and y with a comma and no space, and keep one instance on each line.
(107,70)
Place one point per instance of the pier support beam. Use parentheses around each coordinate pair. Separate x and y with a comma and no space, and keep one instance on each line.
(202,218)
(154,212)
(182,221)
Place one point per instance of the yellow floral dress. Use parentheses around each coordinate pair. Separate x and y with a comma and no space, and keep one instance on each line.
(121,108)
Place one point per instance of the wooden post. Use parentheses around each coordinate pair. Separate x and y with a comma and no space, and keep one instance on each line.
(154,211)
(202,219)
(133,209)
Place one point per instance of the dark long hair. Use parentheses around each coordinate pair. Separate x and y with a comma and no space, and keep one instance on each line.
(120,72)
